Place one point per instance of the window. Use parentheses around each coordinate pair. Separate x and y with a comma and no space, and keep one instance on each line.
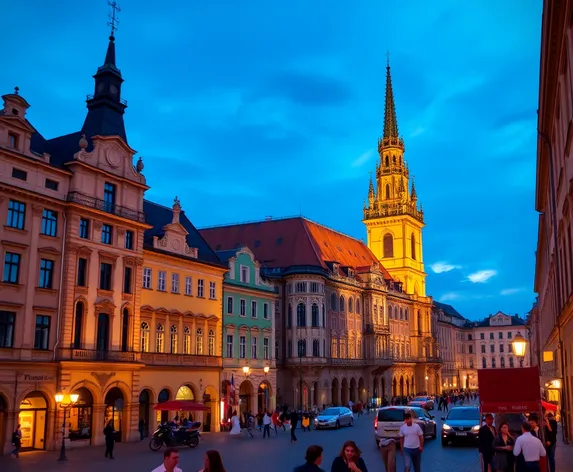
(413,246)
(300,287)
(46,273)
(341,303)
(230,346)
(243,308)
(109,197)
(230,305)
(161,280)
(173,336)
(491,336)
(358,305)
(510,360)
(19,174)
(388,245)
(492,348)
(323,316)
(13,143)
(483,363)
(315,348)
(129,240)
(11,268)
(314,313)
(266,348)
(501,347)
(78,325)
(200,288)
(51,184)
(188,286)
(493,363)
(49,223)
(211,342)
(471,349)
(253,308)
(254,347)
(144,337)
(212,290)
(483,348)
(127,271)
(314,287)
(469,337)
(82,272)
(289,316)
(333,301)
(471,362)
(42,336)
(502,362)
(509,335)
(244,274)
(500,335)
(302,348)
(242,347)
(146,277)
(175,283)
(105,276)
(481,336)
(387,185)
(16,214)
(7,322)
(84,230)
(266,311)
(159,338)
(186,340)
(350,305)
(199,342)
(106,234)
(301,315)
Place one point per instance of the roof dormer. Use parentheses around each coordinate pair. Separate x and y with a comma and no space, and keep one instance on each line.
(14,104)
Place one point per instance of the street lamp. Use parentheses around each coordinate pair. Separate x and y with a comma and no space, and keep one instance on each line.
(65,401)
(518,345)
(266,369)
(247,371)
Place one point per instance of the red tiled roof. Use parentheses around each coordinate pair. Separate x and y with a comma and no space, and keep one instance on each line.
(293,241)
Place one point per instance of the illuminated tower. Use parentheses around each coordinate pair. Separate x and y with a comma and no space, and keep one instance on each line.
(392,217)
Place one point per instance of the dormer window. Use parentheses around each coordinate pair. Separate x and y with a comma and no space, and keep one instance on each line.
(13,140)
(15,111)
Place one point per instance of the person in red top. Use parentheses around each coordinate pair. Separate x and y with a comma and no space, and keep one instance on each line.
(276,421)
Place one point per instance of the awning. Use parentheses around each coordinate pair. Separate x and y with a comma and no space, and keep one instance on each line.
(181,405)
(514,390)
(549,406)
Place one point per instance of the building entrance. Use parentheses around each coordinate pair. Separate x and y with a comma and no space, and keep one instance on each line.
(32,419)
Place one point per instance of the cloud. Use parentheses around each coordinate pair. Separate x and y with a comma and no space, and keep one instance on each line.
(481,276)
(450,296)
(511,291)
(439,267)
(363,158)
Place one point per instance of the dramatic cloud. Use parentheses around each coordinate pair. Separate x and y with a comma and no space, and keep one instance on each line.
(440,267)
(481,276)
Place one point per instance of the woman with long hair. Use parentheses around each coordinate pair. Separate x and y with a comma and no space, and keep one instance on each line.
(213,462)
(503,447)
(349,459)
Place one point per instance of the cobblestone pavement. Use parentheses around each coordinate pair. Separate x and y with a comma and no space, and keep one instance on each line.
(247,455)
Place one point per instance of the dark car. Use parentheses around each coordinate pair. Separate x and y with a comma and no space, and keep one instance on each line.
(461,425)
(422,402)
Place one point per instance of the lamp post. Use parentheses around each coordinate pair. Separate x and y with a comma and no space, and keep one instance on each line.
(519,345)
(246,371)
(65,401)
(266,370)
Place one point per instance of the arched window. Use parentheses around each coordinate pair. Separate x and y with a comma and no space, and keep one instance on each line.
(502,362)
(483,363)
(387,161)
(511,362)
(413,246)
(186,340)
(387,191)
(358,305)
(388,243)
(125,330)
(493,366)
(323,316)
(302,348)
(211,342)
(394,159)
(173,332)
(301,314)
(314,314)
(420,322)
(350,305)
(289,316)
(159,338)
(341,303)
(406,314)
(315,348)
(333,301)
(401,313)
(78,325)
(144,337)
(199,342)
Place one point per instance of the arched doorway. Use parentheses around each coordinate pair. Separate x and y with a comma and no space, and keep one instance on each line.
(164,396)
(264,397)
(81,417)
(401,386)
(344,392)
(3,413)
(144,408)
(245,394)
(228,400)
(412,389)
(335,392)
(394,387)
(407,386)
(114,411)
(186,392)
(362,394)
(211,401)
(102,336)
(33,421)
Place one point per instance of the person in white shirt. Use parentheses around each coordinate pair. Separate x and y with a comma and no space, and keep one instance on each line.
(531,447)
(266,425)
(411,443)
(235,424)
(170,461)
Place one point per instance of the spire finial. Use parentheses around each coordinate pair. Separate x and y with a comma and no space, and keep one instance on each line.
(113,21)
(16,90)
(387,58)
(176,210)
(370,187)
(414,195)
(390,121)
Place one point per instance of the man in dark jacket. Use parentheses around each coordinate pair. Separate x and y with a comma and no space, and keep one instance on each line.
(486,436)
(550,440)
(293,425)
(313,460)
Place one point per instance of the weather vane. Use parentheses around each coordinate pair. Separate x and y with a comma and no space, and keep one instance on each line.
(113,21)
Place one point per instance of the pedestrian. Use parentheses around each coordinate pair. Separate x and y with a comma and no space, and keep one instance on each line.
(293,425)
(503,443)
(313,460)
(349,459)
(266,425)
(388,452)
(235,424)
(170,461)
(141,429)
(486,435)
(16,442)
(109,433)
(550,440)
(305,422)
(411,443)
(213,462)
(531,447)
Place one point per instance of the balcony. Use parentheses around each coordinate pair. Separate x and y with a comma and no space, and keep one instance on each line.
(158,359)
(305,361)
(93,355)
(394,209)
(101,205)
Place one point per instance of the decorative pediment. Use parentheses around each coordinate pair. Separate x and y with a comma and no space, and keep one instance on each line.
(104,306)
(175,236)
(79,249)
(108,257)
(49,250)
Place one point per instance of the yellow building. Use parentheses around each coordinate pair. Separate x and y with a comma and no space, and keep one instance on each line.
(393,220)
(180,329)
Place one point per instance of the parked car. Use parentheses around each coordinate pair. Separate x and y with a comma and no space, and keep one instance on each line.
(334,417)
(390,418)
(422,402)
(461,425)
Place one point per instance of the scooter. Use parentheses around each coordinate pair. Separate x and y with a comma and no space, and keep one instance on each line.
(168,435)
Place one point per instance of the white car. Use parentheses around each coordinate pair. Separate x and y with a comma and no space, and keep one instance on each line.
(390,418)
(334,417)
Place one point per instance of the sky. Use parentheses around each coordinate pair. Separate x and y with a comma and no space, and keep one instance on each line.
(253,109)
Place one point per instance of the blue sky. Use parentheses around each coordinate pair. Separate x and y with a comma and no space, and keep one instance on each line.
(251,109)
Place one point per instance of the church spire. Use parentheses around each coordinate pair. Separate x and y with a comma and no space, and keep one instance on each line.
(390,121)
(414,195)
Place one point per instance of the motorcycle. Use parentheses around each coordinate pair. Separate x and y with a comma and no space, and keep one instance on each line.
(171,436)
